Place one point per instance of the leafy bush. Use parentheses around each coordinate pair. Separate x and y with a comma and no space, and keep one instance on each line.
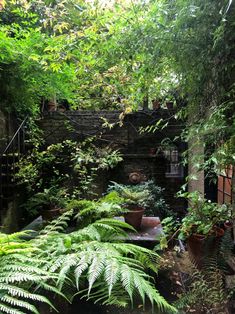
(48,199)
(156,205)
(203,215)
(146,194)
(87,211)
(70,164)
(131,194)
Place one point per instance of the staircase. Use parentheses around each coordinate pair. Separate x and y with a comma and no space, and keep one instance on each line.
(9,156)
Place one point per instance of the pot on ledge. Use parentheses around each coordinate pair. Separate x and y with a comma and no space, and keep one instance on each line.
(134,216)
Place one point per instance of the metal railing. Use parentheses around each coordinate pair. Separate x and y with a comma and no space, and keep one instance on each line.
(8,159)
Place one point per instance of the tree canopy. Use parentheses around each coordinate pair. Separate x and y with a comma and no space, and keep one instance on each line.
(121,54)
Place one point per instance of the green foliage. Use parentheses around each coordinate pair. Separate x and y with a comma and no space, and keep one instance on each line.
(131,194)
(205,293)
(48,199)
(22,274)
(99,267)
(113,197)
(42,169)
(203,218)
(90,160)
(91,261)
(146,194)
(87,211)
(203,215)
(67,164)
(156,204)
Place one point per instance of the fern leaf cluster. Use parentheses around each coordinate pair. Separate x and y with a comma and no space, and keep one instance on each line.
(100,265)
(93,261)
(20,273)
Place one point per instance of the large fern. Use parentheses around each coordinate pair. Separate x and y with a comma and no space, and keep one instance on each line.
(100,266)
(92,261)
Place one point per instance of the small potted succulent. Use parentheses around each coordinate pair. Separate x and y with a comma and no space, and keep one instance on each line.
(135,199)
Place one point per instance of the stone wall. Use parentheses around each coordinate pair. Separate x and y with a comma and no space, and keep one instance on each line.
(138,149)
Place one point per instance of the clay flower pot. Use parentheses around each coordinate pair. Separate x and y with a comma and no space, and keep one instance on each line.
(50,214)
(195,246)
(51,106)
(156,104)
(201,247)
(228,225)
(134,216)
(219,232)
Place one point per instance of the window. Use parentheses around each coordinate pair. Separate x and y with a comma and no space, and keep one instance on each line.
(174,167)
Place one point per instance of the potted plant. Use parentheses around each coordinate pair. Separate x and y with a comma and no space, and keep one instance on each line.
(48,203)
(204,217)
(201,228)
(134,198)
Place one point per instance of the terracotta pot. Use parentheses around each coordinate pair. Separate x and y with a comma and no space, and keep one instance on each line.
(50,214)
(200,247)
(228,225)
(134,216)
(219,232)
(195,246)
(156,104)
(169,104)
(51,106)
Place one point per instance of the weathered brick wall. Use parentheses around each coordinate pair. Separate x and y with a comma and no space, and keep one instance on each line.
(136,147)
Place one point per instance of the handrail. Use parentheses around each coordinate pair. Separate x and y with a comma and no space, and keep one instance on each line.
(14,136)
(8,164)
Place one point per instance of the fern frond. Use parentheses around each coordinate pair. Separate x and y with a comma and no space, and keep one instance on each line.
(14,237)
(22,293)
(9,310)
(70,261)
(95,270)
(82,266)
(112,272)
(23,277)
(56,263)
(59,224)
(19,303)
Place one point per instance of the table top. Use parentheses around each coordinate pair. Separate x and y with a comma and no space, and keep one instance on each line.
(150,230)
